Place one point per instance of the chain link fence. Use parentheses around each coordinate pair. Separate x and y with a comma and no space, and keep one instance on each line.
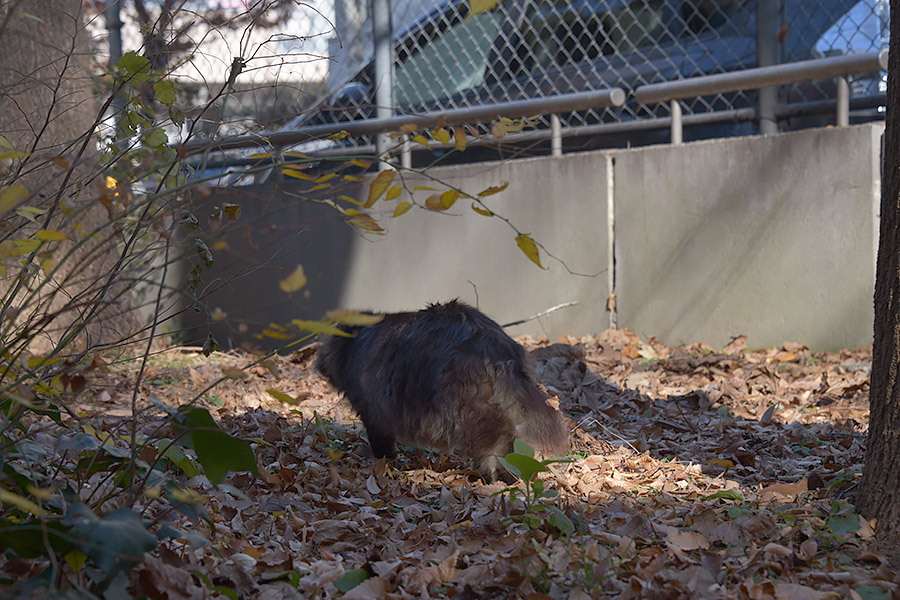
(446,58)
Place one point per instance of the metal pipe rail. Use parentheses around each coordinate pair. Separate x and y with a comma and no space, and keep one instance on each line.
(760,77)
(476,114)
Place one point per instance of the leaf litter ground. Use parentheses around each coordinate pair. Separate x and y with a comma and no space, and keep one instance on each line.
(696,473)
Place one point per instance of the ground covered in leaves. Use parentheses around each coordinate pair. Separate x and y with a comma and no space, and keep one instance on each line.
(695,473)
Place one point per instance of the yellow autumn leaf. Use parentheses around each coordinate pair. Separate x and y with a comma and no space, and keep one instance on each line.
(286,398)
(459,139)
(275,334)
(408,128)
(28,245)
(20,502)
(425,187)
(325,177)
(402,207)
(321,186)
(449,198)
(232,211)
(379,186)
(14,154)
(421,139)
(442,135)
(293,282)
(50,235)
(496,189)
(296,174)
(527,245)
(362,220)
(5,143)
(433,202)
(47,265)
(11,196)
(353,317)
(498,130)
(480,6)
(9,249)
(362,164)
(319,327)
(482,211)
(346,198)
(234,373)
(394,192)
(354,178)
(339,135)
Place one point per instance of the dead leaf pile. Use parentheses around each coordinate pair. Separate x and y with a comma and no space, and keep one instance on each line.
(696,473)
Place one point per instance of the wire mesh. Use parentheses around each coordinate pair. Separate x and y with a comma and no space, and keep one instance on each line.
(446,58)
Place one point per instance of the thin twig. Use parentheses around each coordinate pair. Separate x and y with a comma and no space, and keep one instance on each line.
(543,313)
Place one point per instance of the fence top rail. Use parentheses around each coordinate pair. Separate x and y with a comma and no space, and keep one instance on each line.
(477,114)
(759,77)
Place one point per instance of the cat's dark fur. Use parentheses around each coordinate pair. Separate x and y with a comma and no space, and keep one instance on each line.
(446,377)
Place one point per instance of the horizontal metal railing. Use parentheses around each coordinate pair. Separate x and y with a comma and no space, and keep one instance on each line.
(822,68)
(672,91)
(477,114)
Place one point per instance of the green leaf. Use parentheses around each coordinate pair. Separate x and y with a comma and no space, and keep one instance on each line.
(559,520)
(217,451)
(137,67)
(350,580)
(520,447)
(115,542)
(155,138)
(210,345)
(843,523)
(291,577)
(174,453)
(873,592)
(164,91)
(27,538)
(726,494)
(526,465)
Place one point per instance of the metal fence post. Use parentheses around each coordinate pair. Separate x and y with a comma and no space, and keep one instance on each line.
(843,101)
(767,55)
(677,127)
(384,69)
(555,135)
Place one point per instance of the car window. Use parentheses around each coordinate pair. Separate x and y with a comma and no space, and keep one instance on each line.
(453,61)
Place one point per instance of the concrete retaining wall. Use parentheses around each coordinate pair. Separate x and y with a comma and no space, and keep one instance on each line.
(773,237)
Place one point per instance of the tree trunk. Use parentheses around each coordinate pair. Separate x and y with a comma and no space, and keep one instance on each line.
(47,110)
(881,476)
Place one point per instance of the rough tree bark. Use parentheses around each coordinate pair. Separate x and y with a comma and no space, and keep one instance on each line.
(47,109)
(881,476)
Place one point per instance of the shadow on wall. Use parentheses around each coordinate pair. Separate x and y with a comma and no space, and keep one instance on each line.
(280,226)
